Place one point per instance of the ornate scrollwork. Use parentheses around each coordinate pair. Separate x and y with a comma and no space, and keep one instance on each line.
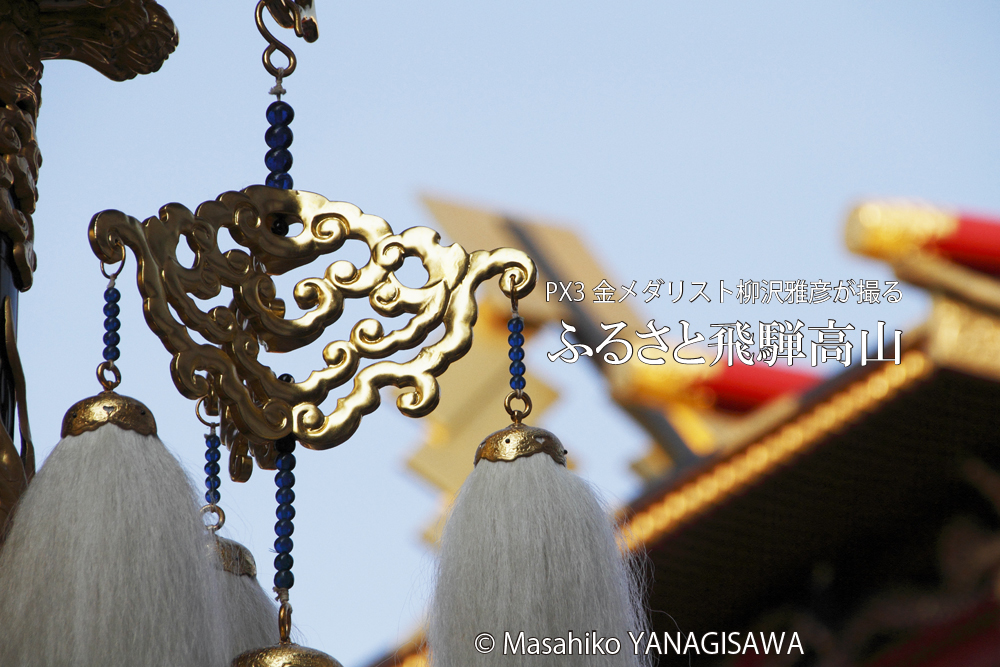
(257,407)
(118,38)
(20,71)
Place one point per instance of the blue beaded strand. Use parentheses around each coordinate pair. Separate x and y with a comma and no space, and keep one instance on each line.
(111,323)
(284,479)
(516,354)
(212,456)
(279,138)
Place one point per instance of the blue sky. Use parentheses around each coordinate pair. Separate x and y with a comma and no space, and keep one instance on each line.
(684,141)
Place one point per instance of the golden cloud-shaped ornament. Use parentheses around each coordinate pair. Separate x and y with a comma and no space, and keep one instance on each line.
(257,408)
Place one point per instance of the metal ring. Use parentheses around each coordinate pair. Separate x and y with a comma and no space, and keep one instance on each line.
(103,368)
(517,415)
(115,274)
(513,295)
(284,622)
(197,413)
(273,44)
(217,511)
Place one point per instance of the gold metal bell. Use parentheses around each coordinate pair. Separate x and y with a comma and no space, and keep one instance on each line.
(285,654)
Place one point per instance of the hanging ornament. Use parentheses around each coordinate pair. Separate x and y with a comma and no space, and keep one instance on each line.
(105,563)
(264,417)
(279,160)
(528,547)
(249,615)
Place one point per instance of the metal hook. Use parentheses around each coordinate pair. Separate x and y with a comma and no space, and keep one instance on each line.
(297,14)
(273,44)
(106,367)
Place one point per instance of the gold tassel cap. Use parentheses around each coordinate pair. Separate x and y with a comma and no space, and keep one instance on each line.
(234,558)
(108,408)
(518,440)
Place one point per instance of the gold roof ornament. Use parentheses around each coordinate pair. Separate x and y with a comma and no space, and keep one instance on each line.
(887,230)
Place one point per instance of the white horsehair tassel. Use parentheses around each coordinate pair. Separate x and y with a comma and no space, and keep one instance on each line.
(528,548)
(107,562)
(251,617)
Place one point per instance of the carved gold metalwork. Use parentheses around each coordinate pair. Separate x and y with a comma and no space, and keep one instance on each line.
(118,38)
(518,440)
(20,72)
(256,407)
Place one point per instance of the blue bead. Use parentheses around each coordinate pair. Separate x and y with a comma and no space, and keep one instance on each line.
(283,562)
(111,353)
(278,160)
(515,340)
(279,180)
(112,324)
(278,136)
(112,338)
(284,528)
(284,479)
(517,368)
(212,497)
(285,462)
(212,454)
(283,545)
(111,295)
(284,579)
(285,511)
(516,325)
(212,441)
(212,483)
(280,113)
(111,310)
(516,354)
(212,468)
(279,227)
(285,496)
(517,382)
